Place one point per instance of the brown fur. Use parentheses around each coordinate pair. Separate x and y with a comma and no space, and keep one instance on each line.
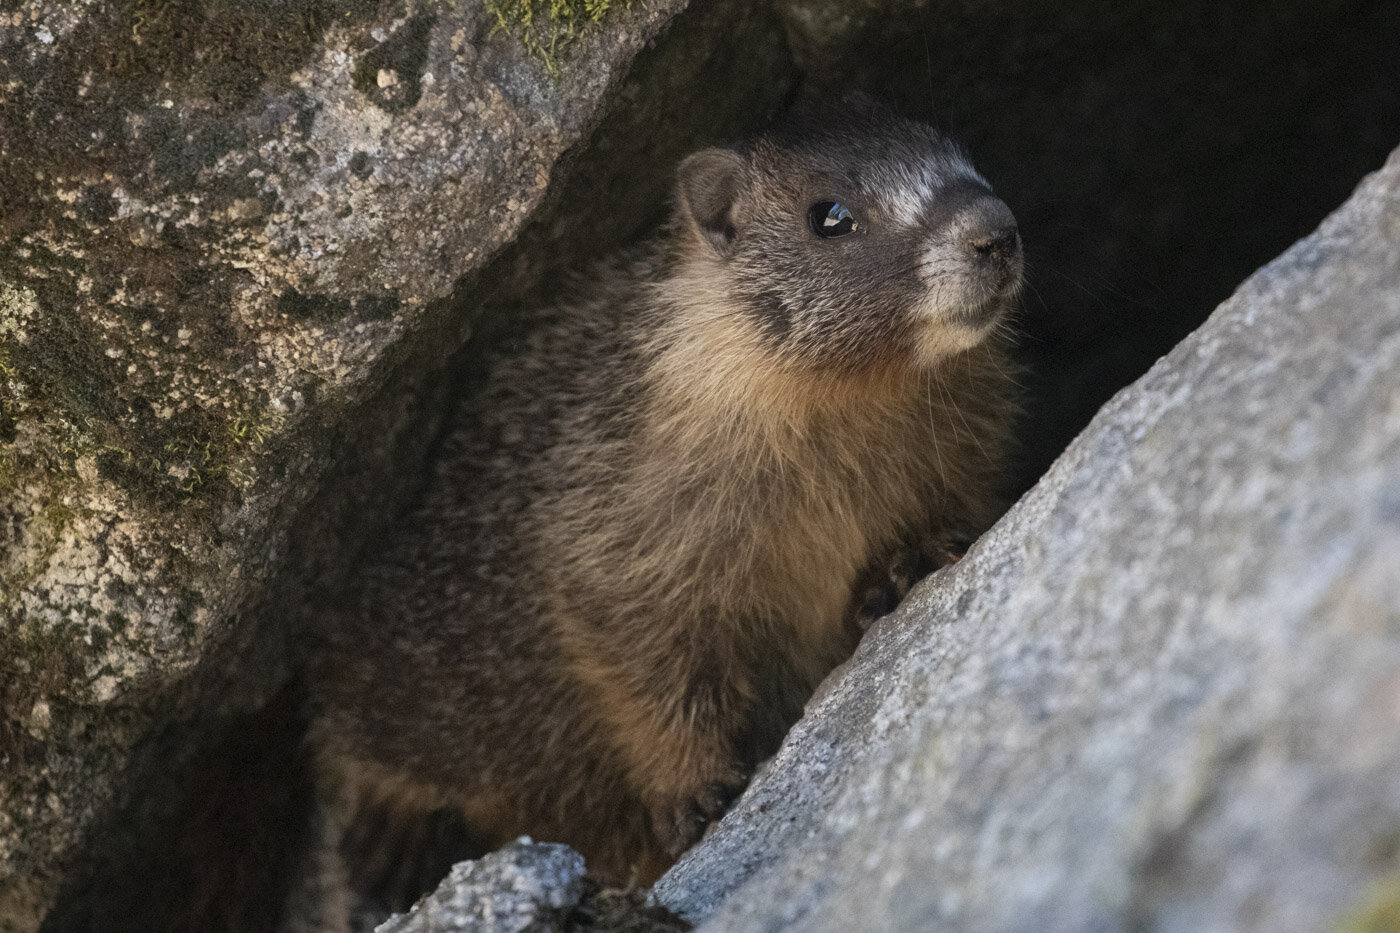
(645,542)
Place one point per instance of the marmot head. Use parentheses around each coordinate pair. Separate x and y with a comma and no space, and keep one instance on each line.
(853,241)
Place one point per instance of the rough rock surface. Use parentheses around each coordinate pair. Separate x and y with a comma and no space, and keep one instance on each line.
(1164,692)
(539,887)
(519,887)
(222,227)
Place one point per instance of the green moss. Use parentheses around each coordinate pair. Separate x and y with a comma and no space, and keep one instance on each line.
(1380,913)
(546,26)
(196,458)
(44,532)
(9,469)
(59,376)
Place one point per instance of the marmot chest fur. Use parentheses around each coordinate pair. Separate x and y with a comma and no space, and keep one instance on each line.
(649,537)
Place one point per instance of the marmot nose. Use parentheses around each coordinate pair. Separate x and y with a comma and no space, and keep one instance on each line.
(989,232)
(998,245)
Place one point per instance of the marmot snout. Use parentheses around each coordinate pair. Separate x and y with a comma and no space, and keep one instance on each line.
(654,531)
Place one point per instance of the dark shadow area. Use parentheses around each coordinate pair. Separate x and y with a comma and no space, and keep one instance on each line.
(214,837)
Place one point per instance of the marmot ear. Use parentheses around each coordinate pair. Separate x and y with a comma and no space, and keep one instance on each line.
(708,185)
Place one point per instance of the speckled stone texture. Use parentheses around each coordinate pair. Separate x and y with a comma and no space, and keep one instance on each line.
(1164,692)
(236,234)
(521,887)
(223,226)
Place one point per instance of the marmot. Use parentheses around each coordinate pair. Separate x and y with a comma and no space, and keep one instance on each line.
(651,535)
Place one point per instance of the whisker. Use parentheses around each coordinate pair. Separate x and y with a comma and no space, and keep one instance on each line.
(961,417)
(933,431)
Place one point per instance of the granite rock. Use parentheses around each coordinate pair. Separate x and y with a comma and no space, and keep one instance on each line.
(224,229)
(519,887)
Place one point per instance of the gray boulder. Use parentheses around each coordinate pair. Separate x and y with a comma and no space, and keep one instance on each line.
(1163,693)
(522,886)
(535,887)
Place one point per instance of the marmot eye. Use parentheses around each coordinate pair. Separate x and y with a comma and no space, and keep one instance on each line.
(830,219)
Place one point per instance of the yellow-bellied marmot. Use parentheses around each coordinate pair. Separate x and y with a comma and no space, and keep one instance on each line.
(652,534)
